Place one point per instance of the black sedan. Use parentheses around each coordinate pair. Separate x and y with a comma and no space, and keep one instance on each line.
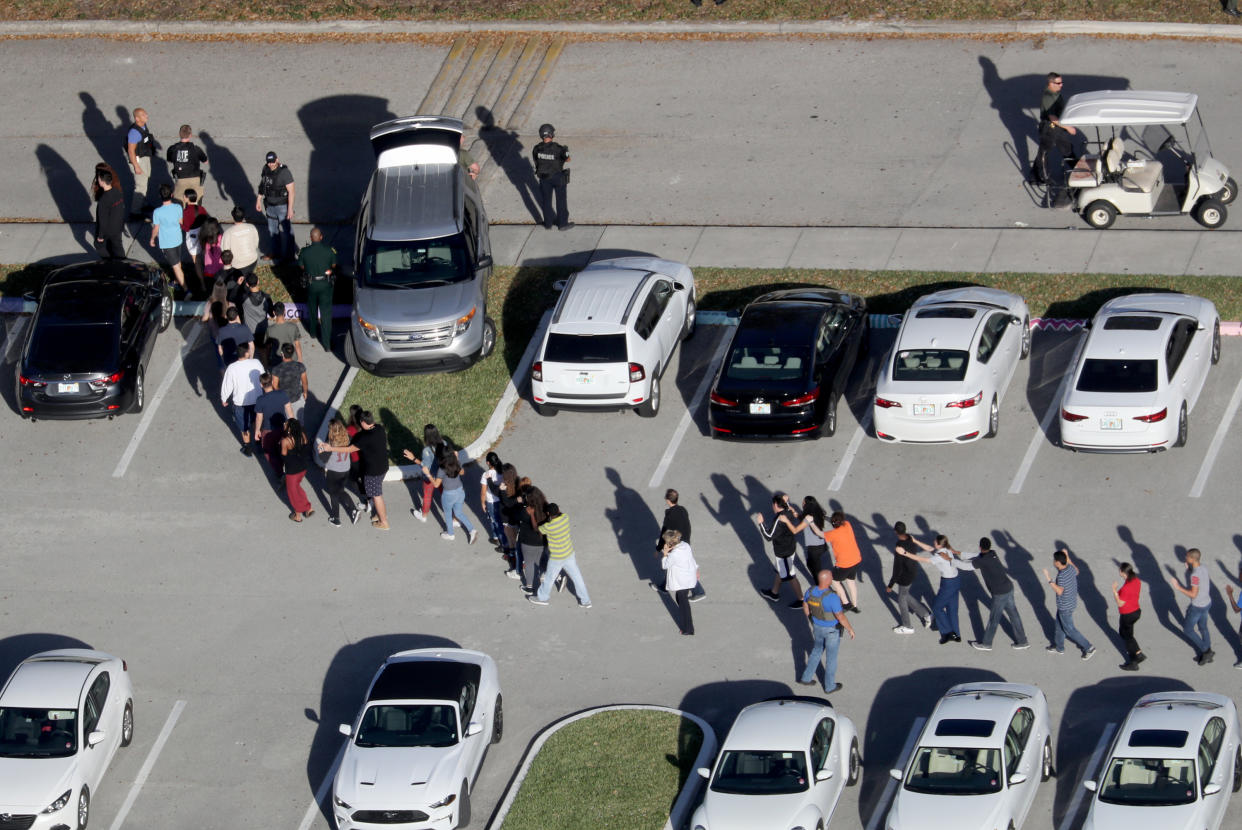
(86,350)
(788,363)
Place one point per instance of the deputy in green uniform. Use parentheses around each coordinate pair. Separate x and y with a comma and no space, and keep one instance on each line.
(318,262)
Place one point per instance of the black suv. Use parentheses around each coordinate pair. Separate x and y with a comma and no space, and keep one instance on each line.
(86,351)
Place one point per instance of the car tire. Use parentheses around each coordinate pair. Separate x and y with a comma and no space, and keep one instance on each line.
(687,330)
(489,338)
(140,391)
(1026,338)
(1183,428)
(463,805)
(1045,761)
(127,724)
(1228,193)
(544,410)
(498,720)
(1237,770)
(829,427)
(84,807)
(993,419)
(854,771)
(1210,213)
(1216,343)
(1100,214)
(166,310)
(651,407)
(351,354)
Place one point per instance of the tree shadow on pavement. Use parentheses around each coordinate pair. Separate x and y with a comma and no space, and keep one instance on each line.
(506,150)
(72,199)
(17,648)
(344,684)
(1020,564)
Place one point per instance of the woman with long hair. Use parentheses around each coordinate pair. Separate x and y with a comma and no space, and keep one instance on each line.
(293,451)
(531,540)
(453,497)
(812,526)
(208,261)
(1127,597)
(96,189)
(355,462)
(489,502)
(511,515)
(336,472)
(434,446)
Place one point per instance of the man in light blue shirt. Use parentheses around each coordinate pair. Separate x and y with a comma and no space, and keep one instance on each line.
(166,228)
(823,608)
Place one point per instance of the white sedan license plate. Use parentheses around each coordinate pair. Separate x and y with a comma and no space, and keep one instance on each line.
(67,388)
(1110,423)
(924,409)
(584,380)
(761,409)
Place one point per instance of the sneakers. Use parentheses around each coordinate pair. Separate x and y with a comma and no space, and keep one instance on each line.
(698,597)
(588,605)
(902,629)
(534,600)
(513,574)
(1140,657)
(560,583)
(773,597)
(366,505)
(456,523)
(1020,646)
(978,646)
(353,517)
(446,536)
(474,534)
(657,588)
(926,621)
(246,450)
(946,638)
(1088,654)
(334,522)
(1054,650)
(418,514)
(1129,665)
(796,604)
(528,590)
(806,682)
(835,688)
(1237,665)
(1206,657)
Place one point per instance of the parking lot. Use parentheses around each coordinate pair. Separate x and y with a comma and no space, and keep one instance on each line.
(249,639)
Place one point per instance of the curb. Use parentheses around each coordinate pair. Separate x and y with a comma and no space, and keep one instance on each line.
(680,811)
(899,28)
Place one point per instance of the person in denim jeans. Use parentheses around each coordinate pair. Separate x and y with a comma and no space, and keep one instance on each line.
(1066,587)
(453,498)
(1000,586)
(560,558)
(1200,593)
(275,201)
(824,610)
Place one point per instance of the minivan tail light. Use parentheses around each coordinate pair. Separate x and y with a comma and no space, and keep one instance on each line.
(967,403)
(636,372)
(885,403)
(803,400)
(1072,417)
(1154,417)
(536,371)
(25,381)
(715,398)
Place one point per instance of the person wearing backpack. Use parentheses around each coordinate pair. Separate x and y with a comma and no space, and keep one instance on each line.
(823,609)
(256,309)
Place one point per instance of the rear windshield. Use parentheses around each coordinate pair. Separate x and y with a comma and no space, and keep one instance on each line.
(768,363)
(416,264)
(930,364)
(73,348)
(585,348)
(1118,376)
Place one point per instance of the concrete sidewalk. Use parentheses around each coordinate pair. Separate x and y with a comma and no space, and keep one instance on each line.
(1074,249)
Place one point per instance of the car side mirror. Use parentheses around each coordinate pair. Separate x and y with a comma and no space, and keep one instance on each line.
(677,286)
(1016,779)
(704,772)
(97,737)
(823,775)
(484,262)
(1090,785)
(1211,789)
(473,729)
(896,774)
(1015,321)
(346,730)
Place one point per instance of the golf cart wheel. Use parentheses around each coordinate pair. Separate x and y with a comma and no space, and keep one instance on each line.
(1229,192)
(1210,213)
(1100,214)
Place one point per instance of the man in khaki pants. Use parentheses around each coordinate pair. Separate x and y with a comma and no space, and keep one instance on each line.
(139,150)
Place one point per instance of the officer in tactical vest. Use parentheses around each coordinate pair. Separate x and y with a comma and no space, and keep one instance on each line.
(275,201)
(139,150)
(550,160)
(186,159)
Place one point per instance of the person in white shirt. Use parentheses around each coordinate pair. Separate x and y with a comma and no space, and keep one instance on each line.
(948,562)
(240,388)
(242,238)
(682,576)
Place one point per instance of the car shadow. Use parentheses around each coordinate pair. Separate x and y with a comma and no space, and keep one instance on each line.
(15,649)
(344,684)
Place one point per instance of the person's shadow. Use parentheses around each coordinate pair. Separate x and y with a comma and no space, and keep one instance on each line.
(506,150)
(1021,567)
(636,529)
(72,199)
(1160,594)
(232,186)
(107,138)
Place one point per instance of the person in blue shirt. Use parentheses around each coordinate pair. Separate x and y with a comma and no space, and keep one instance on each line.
(166,228)
(823,608)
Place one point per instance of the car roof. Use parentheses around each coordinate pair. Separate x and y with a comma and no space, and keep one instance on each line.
(996,702)
(424,676)
(940,332)
(421,200)
(102,272)
(600,296)
(812,295)
(778,321)
(1129,335)
(51,680)
(1128,107)
(1172,711)
(776,724)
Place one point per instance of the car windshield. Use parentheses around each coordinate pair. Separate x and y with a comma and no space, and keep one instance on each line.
(930,364)
(772,363)
(955,771)
(424,262)
(1149,782)
(408,724)
(758,772)
(1100,375)
(38,733)
(585,348)
(73,347)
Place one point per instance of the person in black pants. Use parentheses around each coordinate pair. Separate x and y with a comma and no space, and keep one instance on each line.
(1127,597)
(676,518)
(784,546)
(550,160)
(682,573)
(109,216)
(1051,133)
(904,573)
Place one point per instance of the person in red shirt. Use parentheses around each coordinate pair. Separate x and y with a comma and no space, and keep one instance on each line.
(846,555)
(1127,597)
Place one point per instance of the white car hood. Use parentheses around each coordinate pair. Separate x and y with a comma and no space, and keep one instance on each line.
(397,777)
(724,811)
(1122,817)
(31,784)
(923,811)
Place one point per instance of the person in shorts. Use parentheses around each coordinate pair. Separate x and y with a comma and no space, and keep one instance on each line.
(166,232)
(784,545)
(372,442)
(847,557)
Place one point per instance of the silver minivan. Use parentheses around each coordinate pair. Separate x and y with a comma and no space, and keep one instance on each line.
(422,255)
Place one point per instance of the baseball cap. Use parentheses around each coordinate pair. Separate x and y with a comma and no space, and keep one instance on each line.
(271,157)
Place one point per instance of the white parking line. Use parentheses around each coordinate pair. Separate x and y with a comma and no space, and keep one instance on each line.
(1218,441)
(154,402)
(1071,811)
(843,468)
(322,792)
(886,797)
(687,417)
(1045,423)
(147,765)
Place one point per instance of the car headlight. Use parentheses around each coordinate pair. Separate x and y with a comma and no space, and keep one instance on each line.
(58,804)
(336,799)
(463,322)
(368,329)
(444,802)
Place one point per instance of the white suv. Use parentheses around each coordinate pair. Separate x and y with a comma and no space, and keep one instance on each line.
(612,335)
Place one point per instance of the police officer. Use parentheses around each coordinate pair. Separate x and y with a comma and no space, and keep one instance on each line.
(318,262)
(550,159)
(275,201)
(185,157)
(139,150)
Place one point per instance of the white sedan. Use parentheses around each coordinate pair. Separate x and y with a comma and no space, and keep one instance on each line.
(1140,373)
(784,764)
(62,716)
(419,741)
(978,761)
(1172,764)
(955,354)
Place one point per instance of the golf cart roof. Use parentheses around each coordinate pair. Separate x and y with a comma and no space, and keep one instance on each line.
(1128,108)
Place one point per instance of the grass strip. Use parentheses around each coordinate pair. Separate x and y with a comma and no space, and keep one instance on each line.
(614,770)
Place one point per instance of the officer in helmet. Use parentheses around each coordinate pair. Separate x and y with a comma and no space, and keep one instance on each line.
(550,159)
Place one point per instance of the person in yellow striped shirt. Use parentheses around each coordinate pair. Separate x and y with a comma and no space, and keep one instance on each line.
(560,558)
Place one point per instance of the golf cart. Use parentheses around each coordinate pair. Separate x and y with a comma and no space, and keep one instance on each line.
(1148,155)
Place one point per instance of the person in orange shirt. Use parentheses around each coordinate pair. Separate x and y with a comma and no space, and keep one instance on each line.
(847,556)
